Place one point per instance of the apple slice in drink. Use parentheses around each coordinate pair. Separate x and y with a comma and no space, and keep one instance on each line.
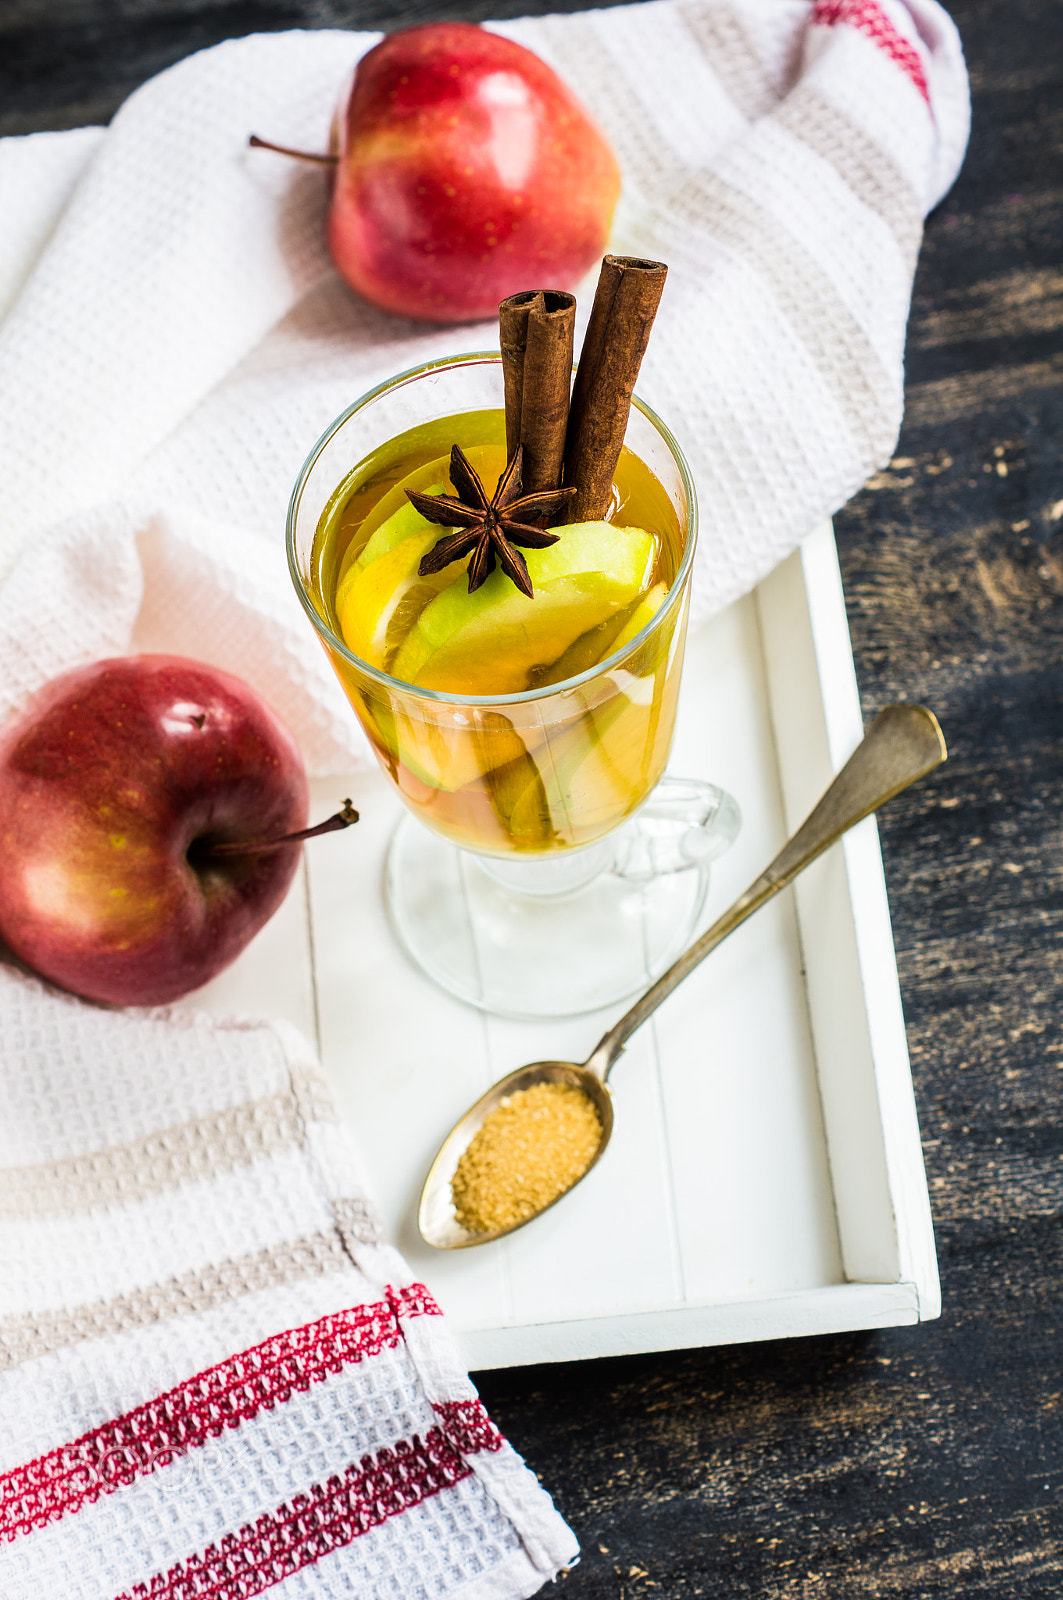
(579,785)
(507,760)
(429,477)
(642,615)
(448,758)
(380,593)
(628,755)
(616,750)
(587,777)
(493,640)
(631,734)
(607,639)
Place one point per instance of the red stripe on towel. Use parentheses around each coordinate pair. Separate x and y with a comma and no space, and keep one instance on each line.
(200,1408)
(869,19)
(325,1519)
(467,1425)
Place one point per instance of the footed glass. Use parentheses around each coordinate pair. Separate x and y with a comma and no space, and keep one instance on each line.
(546,866)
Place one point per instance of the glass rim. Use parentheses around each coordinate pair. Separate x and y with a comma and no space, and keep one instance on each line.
(523,696)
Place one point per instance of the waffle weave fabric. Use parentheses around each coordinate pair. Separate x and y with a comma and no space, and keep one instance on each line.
(215,1377)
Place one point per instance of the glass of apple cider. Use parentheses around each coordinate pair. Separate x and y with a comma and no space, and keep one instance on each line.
(553,872)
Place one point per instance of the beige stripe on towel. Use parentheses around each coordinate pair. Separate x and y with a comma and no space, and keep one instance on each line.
(862,164)
(218,1142)
(26,1338)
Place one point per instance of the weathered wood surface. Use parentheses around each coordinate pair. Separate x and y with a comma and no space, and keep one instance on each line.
(908,1463)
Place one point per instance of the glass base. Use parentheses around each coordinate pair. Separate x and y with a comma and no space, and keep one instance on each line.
(542,937)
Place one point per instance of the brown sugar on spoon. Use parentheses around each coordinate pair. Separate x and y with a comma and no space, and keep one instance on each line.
(529,1151)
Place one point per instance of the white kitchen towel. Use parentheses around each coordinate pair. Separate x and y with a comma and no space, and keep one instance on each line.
(176,337)
(216,1379)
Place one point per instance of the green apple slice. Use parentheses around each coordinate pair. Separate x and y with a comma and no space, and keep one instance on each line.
(379,532)
(643,613)
(380,593)
(421,752)
(605,640)
(496,640)
(604,764)
(583,792)
(404,520)
(583,654)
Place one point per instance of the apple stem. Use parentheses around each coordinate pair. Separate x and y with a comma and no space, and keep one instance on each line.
(342,819)
(297,155)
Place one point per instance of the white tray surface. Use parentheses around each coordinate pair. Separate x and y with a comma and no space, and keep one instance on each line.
(765,1176)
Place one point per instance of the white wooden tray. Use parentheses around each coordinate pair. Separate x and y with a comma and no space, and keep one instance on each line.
(765,1177)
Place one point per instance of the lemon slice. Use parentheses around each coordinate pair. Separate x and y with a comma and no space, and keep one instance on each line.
(368,596)
(409,607)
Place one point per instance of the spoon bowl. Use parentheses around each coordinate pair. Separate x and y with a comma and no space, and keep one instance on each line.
(903,744)
(435,1217)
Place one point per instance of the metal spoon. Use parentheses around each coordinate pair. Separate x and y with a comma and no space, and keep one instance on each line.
(902,744)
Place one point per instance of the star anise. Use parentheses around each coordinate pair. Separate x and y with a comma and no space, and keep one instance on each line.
(489,527)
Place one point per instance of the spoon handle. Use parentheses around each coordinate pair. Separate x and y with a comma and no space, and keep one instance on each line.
(903,743)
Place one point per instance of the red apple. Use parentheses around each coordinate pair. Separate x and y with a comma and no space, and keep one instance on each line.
(116,781)
(467,171)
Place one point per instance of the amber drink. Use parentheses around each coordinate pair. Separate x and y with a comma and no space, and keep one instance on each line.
(495,719)
(521,730)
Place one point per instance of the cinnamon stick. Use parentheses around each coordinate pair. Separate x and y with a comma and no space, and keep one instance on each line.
(536,332)
(513,340)
(547,386)
(625,304)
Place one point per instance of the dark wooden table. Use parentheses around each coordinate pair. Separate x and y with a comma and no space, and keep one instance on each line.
(913,1462)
